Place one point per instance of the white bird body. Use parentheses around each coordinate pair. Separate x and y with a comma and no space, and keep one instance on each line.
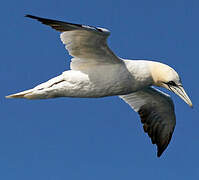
(97,72)
(98,81)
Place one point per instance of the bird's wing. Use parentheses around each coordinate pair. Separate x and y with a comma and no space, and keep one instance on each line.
(86,44)
(156,110)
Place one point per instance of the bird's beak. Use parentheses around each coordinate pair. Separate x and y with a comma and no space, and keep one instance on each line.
(179,90)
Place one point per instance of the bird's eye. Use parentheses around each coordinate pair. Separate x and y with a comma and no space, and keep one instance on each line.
(171,83)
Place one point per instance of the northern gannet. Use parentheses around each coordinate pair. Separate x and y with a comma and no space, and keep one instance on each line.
(95,71)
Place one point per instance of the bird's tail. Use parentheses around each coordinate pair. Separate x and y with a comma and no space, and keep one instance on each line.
(23,94)
(42,91)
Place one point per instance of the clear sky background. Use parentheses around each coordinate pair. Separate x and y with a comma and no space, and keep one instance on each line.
(94,139)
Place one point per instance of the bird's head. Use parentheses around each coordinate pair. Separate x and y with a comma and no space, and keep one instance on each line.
(167,77)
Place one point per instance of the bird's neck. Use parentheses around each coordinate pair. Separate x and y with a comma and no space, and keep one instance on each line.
(140,71)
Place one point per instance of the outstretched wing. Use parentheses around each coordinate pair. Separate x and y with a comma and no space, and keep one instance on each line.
(156,110)
(86,44)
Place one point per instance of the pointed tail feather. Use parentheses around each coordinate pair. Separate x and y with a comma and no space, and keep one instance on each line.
(42,91)
(20,94)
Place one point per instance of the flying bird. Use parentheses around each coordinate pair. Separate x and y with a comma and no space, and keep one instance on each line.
(95,71)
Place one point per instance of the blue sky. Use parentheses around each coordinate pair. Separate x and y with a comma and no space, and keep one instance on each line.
(94,139)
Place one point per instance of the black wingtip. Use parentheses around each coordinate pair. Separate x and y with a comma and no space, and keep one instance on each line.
(160,149)
(28,15)
(159,153)
(31,16)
